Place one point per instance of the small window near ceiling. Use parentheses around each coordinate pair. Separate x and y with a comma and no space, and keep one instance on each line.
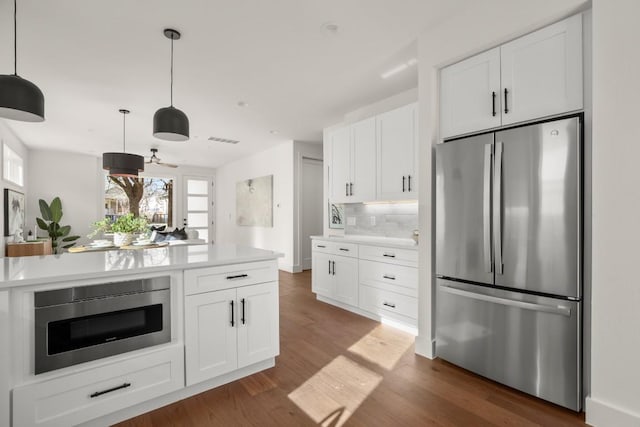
(13,169)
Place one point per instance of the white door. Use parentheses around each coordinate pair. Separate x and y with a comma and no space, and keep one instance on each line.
(363,172)
(198,207)
(542,72)
(340,164)
(397,154)
(258,326)
(470,94)
(321,275)
(311,208)
(346,280)
(210,335)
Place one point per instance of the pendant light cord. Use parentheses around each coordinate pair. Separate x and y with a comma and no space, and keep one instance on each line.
(172,71)
(124,132)
(15,38)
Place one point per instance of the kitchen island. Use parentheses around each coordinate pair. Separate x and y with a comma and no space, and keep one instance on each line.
(212,317)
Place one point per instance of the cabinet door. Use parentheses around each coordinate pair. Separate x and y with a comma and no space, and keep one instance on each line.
(345,280)
(210,338)
(397,152)
(467,89)
(340,164)
(363,165)
(542,72)
(258,323)
(321,274)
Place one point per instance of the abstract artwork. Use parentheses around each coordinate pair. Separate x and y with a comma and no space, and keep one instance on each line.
(13,212)
(336,215)
(254,202)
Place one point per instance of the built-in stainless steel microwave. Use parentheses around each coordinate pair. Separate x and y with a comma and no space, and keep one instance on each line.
(79,324)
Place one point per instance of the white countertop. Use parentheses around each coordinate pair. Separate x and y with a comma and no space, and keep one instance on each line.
(23,271)
(391,242)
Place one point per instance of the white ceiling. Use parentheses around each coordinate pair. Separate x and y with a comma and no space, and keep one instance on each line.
(91,58)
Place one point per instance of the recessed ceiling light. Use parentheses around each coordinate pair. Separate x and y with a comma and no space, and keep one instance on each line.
(330,28)
(242,104)
(225,140)
(399,68)
(273,132)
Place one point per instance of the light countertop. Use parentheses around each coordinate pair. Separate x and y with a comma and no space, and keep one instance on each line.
(23,271)
(391,242)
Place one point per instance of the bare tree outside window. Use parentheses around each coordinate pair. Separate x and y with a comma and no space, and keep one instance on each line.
(151,198)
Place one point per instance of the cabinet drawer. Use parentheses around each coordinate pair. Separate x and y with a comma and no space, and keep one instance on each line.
(391,277)
(201,280)
(384,302)
(408,257)
(336,248)
(83,396)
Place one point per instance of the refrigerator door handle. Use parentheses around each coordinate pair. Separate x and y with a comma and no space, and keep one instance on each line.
(486,209)
(497,208)
(559,309)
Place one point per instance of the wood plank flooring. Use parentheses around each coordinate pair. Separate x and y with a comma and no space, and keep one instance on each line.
(337,368)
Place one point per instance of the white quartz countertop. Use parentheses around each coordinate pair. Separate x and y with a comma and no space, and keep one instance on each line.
(391,242)
(34,270)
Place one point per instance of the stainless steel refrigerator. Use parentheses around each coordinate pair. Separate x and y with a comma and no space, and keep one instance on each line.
(509,257)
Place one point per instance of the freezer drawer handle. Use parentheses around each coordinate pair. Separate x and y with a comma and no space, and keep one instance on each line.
(388,304)
(562,310)
(100,393)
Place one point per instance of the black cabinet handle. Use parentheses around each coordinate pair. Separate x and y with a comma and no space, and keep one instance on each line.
(334,267)
(329,266)
(403,179)
(233,322)
(388,304)
(389,255)
(351,188)
(239,276)
(386,276)
(242,318)
(344,249)
(346,188)
(321,246)
(409,180)
(100,393)
(506,106)
(493,104)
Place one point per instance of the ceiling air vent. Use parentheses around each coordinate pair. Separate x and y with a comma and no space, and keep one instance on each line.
(226,141)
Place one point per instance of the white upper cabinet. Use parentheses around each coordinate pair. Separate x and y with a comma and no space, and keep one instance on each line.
(534,76)
(340,166)
(397,152)
(542,72)
(470,94)
(363,169)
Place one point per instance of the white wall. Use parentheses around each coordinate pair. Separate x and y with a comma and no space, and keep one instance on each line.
(482,25)
(279,162)
(615,382)
(8,137)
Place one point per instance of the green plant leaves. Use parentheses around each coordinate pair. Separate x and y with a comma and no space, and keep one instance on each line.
(64,230)
(43,225)
(56,210)
(70,239)
(50,222)
(45,210)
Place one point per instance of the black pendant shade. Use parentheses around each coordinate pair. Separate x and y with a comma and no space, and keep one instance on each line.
(123,164)
(19,98)
(169,123)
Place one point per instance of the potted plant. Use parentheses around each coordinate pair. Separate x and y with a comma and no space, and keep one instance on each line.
(123,228)
(50,222)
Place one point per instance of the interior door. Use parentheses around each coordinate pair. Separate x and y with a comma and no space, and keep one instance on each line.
(311,208)
(540,213)
(463,221)
(198,206)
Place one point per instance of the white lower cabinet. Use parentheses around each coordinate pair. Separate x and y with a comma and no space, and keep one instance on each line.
(229,329)
(335,276)
(83,396)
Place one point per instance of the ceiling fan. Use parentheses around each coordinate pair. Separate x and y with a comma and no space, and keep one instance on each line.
(156,160)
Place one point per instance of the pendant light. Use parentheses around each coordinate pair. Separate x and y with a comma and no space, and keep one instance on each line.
(19,98)
(123,164)
(169,123)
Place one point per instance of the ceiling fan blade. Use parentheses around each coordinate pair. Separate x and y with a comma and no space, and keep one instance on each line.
(169,165)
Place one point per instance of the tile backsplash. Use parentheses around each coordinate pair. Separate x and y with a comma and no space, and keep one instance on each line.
(381,220)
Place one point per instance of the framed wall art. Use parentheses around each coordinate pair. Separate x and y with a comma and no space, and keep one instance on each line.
(13,212)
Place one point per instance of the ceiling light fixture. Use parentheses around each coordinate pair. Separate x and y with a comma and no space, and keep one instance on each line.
(123,164)
(19,98)
(330,28)
(399,68)
(169,123)
(273,132)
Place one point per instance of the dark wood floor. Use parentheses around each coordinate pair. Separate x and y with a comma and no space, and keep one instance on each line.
(336,368)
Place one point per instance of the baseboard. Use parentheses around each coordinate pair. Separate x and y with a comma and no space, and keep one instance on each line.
(424,347)
(601,414)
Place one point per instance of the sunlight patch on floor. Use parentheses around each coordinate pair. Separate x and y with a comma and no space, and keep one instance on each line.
(335,392)
(383,346)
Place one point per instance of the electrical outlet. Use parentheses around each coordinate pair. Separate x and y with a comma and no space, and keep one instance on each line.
(351,220)
(372,220)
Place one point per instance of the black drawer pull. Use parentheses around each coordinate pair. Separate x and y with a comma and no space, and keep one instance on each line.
(387,276)
(320,246)
(100,393)
(389,255)
(239,276)
(344,249)
(388,304)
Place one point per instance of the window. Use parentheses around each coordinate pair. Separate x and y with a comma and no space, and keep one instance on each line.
(150,198)
(13,169)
